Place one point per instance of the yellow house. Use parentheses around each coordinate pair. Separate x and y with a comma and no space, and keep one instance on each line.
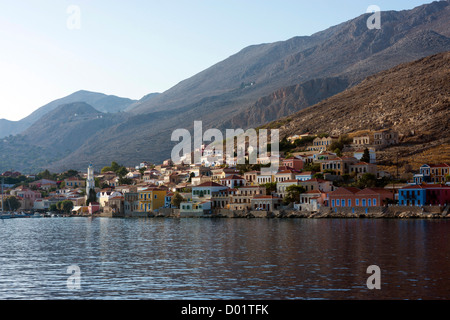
(151,199)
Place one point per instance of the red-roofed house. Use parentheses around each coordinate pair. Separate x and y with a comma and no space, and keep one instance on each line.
(233,181)
(266,203)
(313,199)
(344,195)
(293,162)
(354,197)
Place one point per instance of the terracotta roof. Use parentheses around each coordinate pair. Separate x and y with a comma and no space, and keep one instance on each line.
(314,191)
(285,172)
(439,165)
(289,181)
(209,184)
(265,197)
(345,190)
(362,164)
(375,190)
(233,177)
(427,186)
(315,180)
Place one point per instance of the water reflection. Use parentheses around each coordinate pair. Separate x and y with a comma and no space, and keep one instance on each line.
(224,259)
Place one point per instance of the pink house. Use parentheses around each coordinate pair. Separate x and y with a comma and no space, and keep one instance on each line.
(27,198)
(94,207)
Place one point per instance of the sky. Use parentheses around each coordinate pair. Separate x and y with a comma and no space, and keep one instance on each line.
(52,48)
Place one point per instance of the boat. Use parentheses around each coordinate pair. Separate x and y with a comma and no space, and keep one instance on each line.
(16,215)
(37,215)
(5,215)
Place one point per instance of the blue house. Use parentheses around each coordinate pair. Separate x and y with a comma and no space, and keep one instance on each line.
(415,195)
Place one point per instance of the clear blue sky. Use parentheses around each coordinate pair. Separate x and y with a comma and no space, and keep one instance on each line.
(135,47)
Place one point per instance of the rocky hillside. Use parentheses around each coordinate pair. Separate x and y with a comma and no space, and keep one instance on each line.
(412,98)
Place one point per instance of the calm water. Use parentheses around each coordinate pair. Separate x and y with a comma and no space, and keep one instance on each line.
(223,259)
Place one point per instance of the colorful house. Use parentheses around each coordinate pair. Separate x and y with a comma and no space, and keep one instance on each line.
(435,173)
(354,197)
(424,194)
(75,182)
(438,195)
(412,196)
(304,176)
(343,197)
(151,199)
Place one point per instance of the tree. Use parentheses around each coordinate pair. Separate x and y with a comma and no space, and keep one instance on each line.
(14,203)
(270,187)
(122,172)
(318,176)
(125,181)
(366,156)
(92,197)
(46,175)
(293,193)
(368,180)
(177,199)
(313,167)
(115,166)
(65,206)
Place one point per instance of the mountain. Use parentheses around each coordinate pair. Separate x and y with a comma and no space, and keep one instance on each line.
(349,49)
(264,82)
(101,102)
(55,136)
(412,99)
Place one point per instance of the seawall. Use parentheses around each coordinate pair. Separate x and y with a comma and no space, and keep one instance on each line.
(391,212)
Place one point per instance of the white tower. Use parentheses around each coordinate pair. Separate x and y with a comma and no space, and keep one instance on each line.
(90,182)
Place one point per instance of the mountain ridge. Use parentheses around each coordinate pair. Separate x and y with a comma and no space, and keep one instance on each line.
(101,101)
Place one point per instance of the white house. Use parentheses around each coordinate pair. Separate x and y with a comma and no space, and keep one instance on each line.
(304,176)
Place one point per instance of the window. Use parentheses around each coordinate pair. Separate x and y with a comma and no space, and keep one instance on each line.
(343,202)
(374,202)
(332,203)
(369,202)
(363,202)
(338,202)
(349,202)
(357,202)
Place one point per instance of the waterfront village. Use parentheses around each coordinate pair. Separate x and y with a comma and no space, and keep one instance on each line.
(331,177)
